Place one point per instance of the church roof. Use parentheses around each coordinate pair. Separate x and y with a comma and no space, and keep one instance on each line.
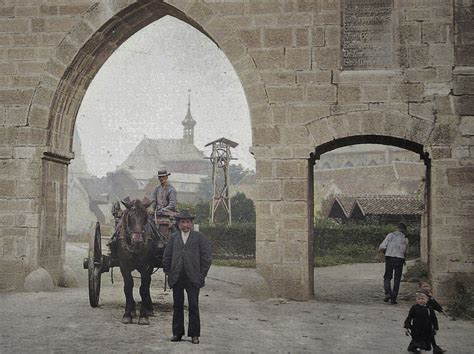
(397,178)
(152,154)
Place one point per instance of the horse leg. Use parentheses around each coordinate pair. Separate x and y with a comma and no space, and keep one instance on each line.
(129,302)
(146,309)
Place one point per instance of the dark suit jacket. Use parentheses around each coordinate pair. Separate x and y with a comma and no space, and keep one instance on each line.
(195,257)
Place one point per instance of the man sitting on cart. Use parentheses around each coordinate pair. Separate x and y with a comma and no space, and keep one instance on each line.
(164,196)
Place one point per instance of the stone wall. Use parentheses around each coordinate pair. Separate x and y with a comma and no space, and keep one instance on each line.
(302,91)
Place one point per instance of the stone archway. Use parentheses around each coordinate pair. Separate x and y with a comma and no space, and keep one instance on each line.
(57,98)
(288,57)
(415,147)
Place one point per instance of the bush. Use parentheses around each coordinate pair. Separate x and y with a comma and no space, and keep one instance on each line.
(231,242)
(462,305)
(416,272)
(328,234)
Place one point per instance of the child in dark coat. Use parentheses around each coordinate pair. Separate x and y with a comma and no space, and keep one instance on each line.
(433,305)
(420,323)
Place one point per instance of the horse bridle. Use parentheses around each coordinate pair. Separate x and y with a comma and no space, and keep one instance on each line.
(129,231)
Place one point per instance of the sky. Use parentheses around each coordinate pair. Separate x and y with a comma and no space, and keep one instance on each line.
(142,90)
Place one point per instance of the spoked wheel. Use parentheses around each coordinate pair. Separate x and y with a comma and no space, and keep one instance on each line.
(95,266)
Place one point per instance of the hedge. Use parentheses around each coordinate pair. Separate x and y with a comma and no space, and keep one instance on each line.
(235,241)
(238,240)
(329,235)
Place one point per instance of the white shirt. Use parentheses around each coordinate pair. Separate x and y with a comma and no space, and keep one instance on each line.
(395,245)
(184,236)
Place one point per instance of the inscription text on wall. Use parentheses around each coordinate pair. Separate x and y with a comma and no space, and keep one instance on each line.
(367,38)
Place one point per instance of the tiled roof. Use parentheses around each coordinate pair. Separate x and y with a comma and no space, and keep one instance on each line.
(375,205)
(389,205)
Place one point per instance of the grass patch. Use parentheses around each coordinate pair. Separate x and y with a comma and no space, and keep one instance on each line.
(238,263)
(416,272)
(346,254)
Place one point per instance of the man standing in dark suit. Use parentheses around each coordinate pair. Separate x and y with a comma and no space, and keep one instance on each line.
(186,260)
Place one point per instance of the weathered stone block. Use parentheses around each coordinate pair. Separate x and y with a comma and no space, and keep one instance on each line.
(441,54)
(439,153)
(287,93)
(73,9)
(295,189)
(21,53)
(282,152)
(423,110)
(298,58)
(255,95)
(347,93)
(308,5)
(291,168)
(265,7)
(464,105)
(14,25)
(460,177)
(279,114)
(266,135)
(278,77)
(463,84)
(418,56)
(434,32)
(374,93)
(420,74)
(293,252)
(302,37)
(313,77)
(321,93)
(302,114)
(277,37)
(348,108)
(467,126)
(234,49)
(325,58)
(407,92)
(332,36)
(60,24)
(264,169)
(410,33)
(297,134)
(320,132)
(328,17)
(294,19)
(267,59)
(252,38)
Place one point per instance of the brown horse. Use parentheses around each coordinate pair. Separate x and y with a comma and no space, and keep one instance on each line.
(137,250)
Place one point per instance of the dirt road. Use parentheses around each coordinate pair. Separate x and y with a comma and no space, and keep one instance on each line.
(347,316)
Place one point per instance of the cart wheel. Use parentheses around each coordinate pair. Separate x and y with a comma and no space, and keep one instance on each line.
(95,266)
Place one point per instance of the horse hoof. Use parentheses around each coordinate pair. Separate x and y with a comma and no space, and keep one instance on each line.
(143,321)
(126,319)
(149,313)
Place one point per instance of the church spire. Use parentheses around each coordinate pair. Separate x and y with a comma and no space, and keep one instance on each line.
(188,123)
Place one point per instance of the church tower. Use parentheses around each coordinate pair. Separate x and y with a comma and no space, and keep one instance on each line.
(188,123)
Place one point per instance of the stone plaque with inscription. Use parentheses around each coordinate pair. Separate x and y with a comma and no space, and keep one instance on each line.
(367,34)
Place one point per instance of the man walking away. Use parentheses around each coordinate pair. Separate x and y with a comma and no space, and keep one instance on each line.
(394,246)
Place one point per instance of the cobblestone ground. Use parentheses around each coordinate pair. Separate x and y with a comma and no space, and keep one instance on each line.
(347,316)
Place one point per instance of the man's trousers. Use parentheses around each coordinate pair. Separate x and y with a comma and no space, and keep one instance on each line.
(194,322)
(393,269)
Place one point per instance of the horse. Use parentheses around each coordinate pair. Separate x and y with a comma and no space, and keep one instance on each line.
(137,250)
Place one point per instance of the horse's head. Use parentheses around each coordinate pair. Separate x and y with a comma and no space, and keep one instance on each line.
(134,220)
